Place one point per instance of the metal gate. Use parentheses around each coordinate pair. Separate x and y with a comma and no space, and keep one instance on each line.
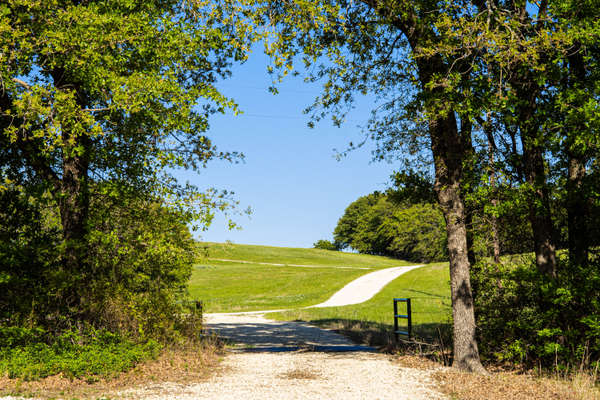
(407,316)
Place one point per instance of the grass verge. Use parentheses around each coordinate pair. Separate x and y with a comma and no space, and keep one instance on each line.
(515,386)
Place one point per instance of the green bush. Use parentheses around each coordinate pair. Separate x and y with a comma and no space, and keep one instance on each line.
(31,354)
(325,245)
(139,257)
(389,225)
(527,318)
(131,291)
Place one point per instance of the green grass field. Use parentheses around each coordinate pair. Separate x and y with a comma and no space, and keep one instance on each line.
(226,286)
(289,255)
(246,282)
(429,290)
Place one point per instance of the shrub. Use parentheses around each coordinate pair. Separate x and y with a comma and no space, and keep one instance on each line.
(31,354)
(528,319)
(325,245)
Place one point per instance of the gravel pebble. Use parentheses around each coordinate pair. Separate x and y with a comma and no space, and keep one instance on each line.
(303,375)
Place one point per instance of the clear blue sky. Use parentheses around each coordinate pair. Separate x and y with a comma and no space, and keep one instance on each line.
(290,178)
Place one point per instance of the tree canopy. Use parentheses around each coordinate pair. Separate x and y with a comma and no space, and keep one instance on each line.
(100,102)
(380,224)
(500,98)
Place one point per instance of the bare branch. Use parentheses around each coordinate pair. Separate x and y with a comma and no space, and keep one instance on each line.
(22,83)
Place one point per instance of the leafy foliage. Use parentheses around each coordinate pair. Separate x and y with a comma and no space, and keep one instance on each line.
(325,245)
(31,354)
(527,318)
(377,224)
(101,102)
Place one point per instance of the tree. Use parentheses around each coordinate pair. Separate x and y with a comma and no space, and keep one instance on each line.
(536,64)
(347,227)
(376,46)
(519,77)
(100,101)
(417,233)
(397,223)
(325,245)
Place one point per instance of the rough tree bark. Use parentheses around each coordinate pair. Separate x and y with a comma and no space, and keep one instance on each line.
(493,219)
(74,198)
(534,169)
(466,129)
(577,203)
(448,153)
(488,128)
(539,210)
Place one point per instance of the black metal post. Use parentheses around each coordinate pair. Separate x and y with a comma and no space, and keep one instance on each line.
(409,314)
(396,319)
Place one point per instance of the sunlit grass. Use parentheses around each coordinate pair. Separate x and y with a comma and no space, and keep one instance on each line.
(429,290)
(289,255)
(226,286)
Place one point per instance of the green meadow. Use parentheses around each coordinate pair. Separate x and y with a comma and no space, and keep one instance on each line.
(247,283)
(427,287)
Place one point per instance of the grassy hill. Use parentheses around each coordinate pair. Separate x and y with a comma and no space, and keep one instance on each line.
(290,255)
(248,282)
(429,290)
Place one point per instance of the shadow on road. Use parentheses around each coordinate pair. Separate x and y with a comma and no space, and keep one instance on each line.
(261,335)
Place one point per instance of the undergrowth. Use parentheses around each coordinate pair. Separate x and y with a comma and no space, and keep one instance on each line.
(31,354)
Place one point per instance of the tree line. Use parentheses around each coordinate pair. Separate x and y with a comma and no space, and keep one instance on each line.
(405,222)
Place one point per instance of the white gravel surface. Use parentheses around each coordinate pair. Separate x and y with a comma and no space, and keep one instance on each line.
(363,288)
(288,360)
(302,375)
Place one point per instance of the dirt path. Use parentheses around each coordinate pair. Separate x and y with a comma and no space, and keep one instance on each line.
(358,291)
(290,360)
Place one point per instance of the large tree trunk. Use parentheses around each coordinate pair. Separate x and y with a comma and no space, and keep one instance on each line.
(466,129)
(74,206)
(74,209)
(534,169)
(577,203)
(539,209)
(493,218)
(74,201)
(577,206)
(449,155)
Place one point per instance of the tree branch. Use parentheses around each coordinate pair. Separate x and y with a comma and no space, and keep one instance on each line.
(22,83)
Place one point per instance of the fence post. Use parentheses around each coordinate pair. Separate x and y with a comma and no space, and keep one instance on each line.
(396,320)
(409,314)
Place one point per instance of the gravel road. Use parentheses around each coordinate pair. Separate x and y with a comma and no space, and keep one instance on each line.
(363,288)
(289,360)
